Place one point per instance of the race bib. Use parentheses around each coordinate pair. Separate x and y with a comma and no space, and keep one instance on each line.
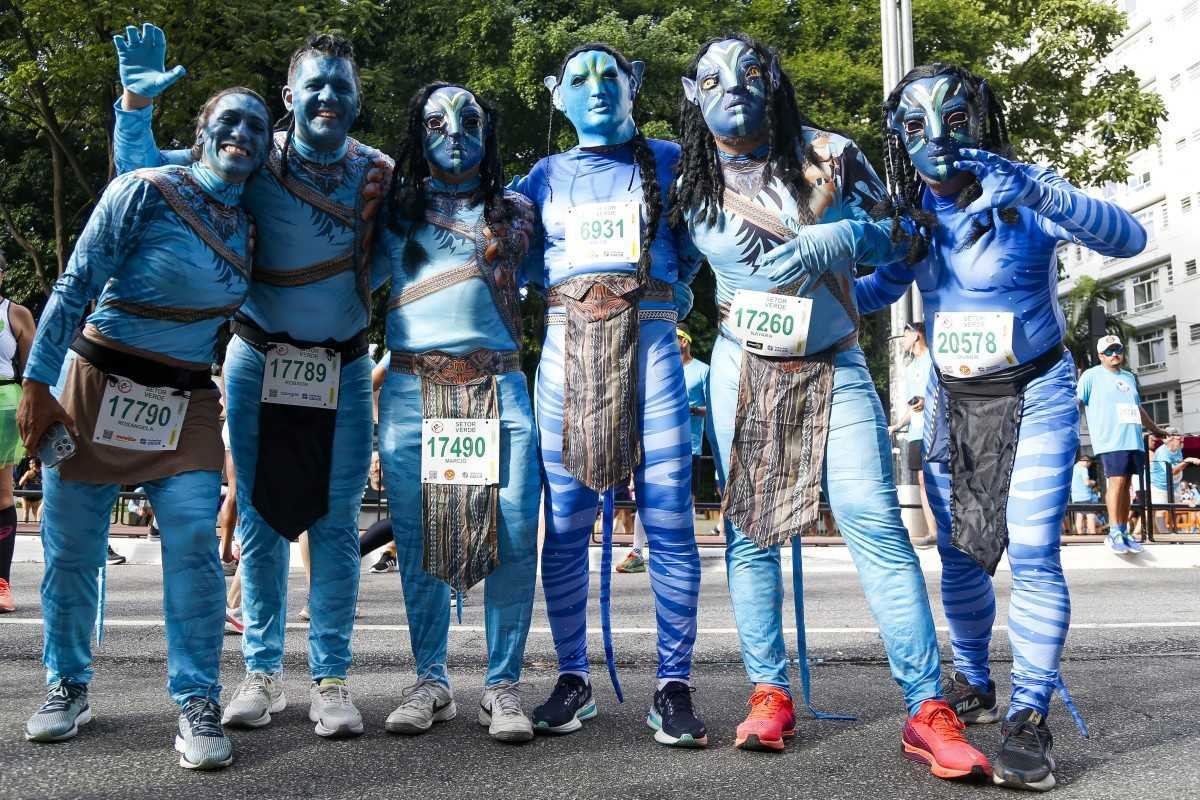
(1129,414)
(136,417)
(604,232)
(968,344)
(295,377)
(770,324)
(462,451)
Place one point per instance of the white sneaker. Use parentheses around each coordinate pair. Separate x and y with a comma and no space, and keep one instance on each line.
(421,705)
(500,710)
(331,707)
(258,697)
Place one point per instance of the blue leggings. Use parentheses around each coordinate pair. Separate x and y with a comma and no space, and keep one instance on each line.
(663,483)
(75,522)
(509,589)
(1040,609)
(858,483)
(332,540)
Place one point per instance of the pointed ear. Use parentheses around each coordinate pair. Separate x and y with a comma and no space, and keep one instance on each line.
(639,72)
(287,97)
(689,90)
(551,84)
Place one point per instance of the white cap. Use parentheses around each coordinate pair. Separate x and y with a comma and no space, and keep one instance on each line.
(1107,342)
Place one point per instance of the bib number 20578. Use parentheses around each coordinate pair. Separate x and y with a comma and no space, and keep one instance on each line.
(770,324)
(460,451)
(968,344)
(295,377)
(136,417)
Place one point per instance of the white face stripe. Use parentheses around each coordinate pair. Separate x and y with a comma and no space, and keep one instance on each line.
(451,103)
(720,59)
(929,100)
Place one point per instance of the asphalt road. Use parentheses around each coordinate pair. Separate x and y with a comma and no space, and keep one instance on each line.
(1132,663)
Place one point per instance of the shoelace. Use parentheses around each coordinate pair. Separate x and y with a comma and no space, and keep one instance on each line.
(565,692)
(59,697)
(421,692)
(945,722)
(256,683)
(334,694)
(507,699)
(1027,733)
(677,698)
(765,704)
(203,716)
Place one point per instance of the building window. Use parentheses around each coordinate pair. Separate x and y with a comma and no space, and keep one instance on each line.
(1181,144)
(1164,216)
(1145,292)
(1189,268)
(1139,180)
(1179,401)
(1170,274)
(1186,205)
(1173,339)
(1116,306)
(1193,72)
(1194,332)
(1151,354)
(1158,407)
(1176,80)
(1146,218)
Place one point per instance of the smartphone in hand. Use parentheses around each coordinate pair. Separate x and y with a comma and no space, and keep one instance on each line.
(56,446)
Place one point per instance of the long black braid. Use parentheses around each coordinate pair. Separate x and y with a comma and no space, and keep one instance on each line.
(701,183)
(406,198)
(904,183)
(642,155)
(331,45)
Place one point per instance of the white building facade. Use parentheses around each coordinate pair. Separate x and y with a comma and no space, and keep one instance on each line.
(1159,290)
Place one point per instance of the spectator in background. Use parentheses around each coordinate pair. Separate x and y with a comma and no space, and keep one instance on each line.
(1165,468)
(31,481)
(1115,419)
(1083,490)
(16,336)
(916,375)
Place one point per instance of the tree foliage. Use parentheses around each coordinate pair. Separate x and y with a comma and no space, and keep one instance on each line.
(58,82)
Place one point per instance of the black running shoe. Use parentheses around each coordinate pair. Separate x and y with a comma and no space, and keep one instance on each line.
(386,563)
(1025,761)
(974,707)
(674,720)
(570,703)
(114,557)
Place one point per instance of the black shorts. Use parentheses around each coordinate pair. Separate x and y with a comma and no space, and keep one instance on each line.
(913,456)
(1123,463)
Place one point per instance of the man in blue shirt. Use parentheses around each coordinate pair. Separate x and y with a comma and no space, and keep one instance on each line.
(1083,490)
(1168,457)
(1115,419)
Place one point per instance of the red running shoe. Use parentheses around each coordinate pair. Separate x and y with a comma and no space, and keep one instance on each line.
(772,719)
(6,602)
(933,736)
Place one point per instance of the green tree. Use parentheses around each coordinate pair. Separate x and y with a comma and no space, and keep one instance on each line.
(1086,294)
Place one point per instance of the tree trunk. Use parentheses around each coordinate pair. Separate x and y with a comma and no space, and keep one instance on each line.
(27,246)
(60,226)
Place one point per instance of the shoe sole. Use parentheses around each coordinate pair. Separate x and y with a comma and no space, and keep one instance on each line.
(921,756)
(83,719)
(511,735)
(685,741)
(759,745)
(443,714)
(1012,782)
(203,766)
(340,732)
(278,705)
(570,726)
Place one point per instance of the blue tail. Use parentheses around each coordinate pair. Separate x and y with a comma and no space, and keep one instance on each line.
(1070,704)
(801,641)
(606,593)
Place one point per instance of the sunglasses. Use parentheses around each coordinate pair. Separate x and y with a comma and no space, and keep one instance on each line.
(1114,351)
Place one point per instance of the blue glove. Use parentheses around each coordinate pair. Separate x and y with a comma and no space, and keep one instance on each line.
(818,248)
(1005,184)
(683,298)
(141,61)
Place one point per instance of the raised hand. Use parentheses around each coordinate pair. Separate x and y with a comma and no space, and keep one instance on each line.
(141,61)
(1005,183)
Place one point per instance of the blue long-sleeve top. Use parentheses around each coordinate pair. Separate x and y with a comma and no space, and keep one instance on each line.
(135,249)
(461,317)
(292,234)
(846,188)
(1012,267)
(565,180)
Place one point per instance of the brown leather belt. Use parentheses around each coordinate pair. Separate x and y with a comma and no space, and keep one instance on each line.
(654,291)
(442,367)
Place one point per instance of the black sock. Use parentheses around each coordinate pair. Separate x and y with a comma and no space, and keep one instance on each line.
(8,539)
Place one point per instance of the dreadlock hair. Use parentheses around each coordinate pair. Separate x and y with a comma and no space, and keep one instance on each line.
(642,154)
(206,111)
(330,45)
(406,198)
(904,183)
(701,181)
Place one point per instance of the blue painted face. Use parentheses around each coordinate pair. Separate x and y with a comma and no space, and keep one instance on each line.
(454,131)
(236,136)
(730,88)
(934,119)
(597,97)
(324,96)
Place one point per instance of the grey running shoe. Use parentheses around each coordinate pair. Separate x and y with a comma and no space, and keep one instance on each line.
(500,710)
(972,705)
(65,709)
(332,708)
(201,742)
(421,705)
(258,697)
